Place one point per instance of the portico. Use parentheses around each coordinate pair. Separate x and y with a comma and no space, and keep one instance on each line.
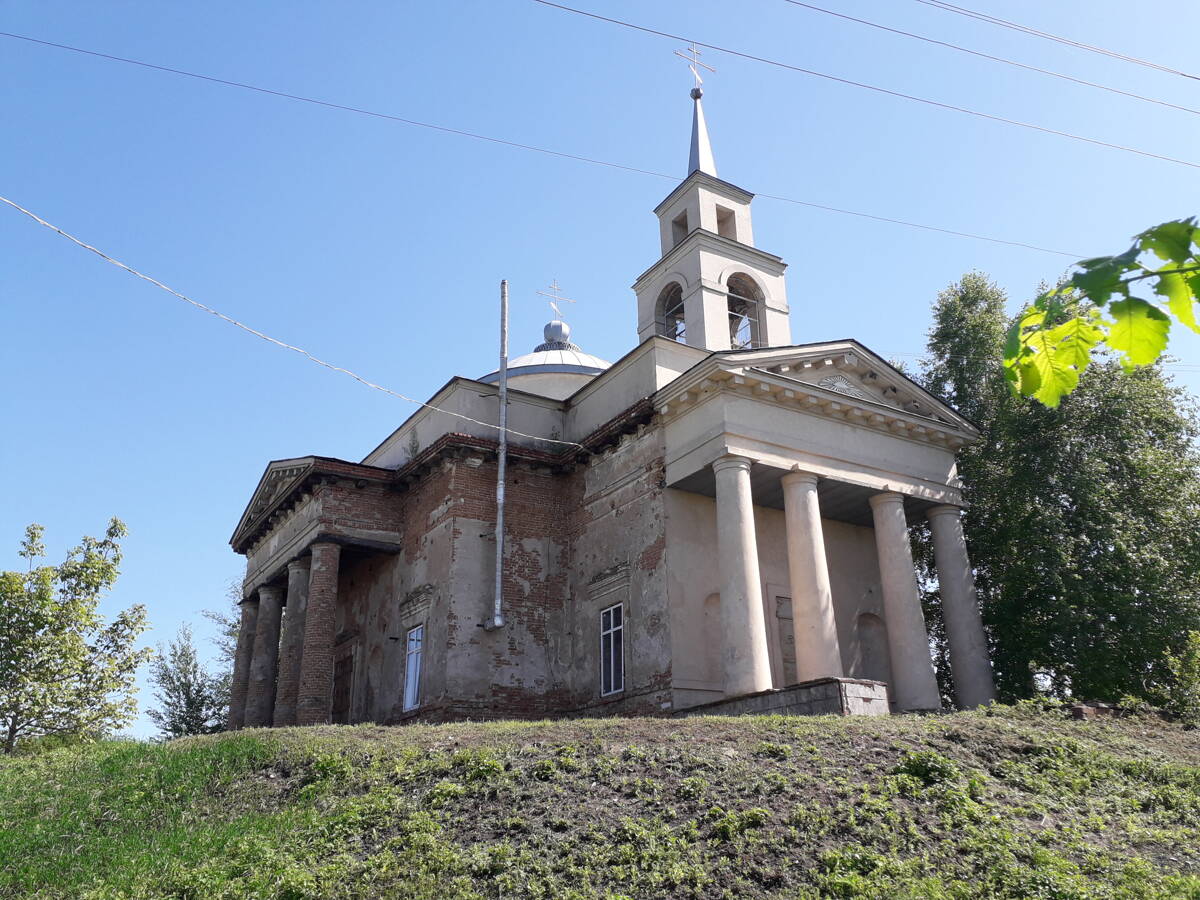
(307,513)
(826,434)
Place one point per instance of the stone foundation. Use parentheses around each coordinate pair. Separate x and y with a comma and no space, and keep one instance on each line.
(822,696)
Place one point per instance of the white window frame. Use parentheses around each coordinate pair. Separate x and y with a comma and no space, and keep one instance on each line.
(607,655)
(414,653)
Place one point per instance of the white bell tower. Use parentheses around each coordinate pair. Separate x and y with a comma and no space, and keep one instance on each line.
(712,287)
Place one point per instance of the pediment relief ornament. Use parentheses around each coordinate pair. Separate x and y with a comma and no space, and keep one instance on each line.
(842,385)
(277,482)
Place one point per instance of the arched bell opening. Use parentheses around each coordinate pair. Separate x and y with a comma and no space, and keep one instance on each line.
(668,313)
(745,312)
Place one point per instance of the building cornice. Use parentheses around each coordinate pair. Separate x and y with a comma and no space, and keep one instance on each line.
(716,376)
(712,182)
(287,479)
(698,238)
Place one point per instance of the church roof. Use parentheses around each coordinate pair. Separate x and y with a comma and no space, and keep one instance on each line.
(557,355)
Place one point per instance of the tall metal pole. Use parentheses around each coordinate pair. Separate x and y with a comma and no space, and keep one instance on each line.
(502,459)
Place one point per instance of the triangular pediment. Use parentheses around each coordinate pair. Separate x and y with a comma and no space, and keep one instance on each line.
(275,483)
(849,369)
(841,379)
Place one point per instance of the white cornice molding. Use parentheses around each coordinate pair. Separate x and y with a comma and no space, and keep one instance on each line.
(717,375)
(698,238)
(712,182)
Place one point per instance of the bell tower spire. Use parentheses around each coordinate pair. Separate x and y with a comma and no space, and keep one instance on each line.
(700,159)
(712,287)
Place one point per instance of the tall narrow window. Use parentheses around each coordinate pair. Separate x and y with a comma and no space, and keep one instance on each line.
(612,650)
(669,315)
(414,649)
(745,305)
(679,228)
(726,223)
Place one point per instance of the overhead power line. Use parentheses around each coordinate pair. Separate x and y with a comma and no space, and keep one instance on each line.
(999,59)
(513,144)
(1025,29)
(271,340)
(870,87)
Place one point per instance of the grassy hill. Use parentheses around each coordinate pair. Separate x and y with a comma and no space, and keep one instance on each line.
(1010,803)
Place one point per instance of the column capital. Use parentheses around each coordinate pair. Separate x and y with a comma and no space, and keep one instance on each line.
(884,498)
(300,563)
(271,591)
(800,476)
(944,510)
(731,461)
(252,597)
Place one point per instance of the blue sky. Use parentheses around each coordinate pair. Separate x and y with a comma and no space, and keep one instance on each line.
(380,246)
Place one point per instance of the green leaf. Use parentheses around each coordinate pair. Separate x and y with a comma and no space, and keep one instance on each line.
(1055,376)
(1177,289)
(1170,241)
(1012,344)
(1139,330)
(1101,277)
(1073,340)
(1029,378)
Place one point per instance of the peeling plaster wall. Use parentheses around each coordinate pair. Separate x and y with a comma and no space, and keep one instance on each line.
(504,672)
(381,596)
(694,585)
(619,555)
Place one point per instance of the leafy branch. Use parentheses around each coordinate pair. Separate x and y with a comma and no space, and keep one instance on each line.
(1051,343)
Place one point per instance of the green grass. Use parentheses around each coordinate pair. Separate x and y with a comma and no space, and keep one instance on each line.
(1013,803)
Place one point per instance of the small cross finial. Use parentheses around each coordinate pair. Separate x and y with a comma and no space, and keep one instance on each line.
(692,57)
(554,292)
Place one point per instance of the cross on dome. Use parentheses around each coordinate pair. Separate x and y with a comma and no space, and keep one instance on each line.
(554,292)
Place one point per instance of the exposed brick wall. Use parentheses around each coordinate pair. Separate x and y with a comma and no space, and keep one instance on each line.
(511,672)
(313,702)
(619,532)
(567,529)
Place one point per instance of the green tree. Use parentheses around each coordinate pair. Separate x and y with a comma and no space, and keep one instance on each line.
(229,626)
(63,670)
(1081,523)
(190,699)
(1051,343)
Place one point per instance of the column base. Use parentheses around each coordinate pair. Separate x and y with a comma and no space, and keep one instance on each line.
(819,697)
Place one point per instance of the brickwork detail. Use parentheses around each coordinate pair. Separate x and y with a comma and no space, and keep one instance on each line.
(567,522)
(314,700)
(291,645)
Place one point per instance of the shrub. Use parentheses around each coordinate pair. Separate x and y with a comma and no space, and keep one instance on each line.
(928,767)
(728,825)
(1183,695)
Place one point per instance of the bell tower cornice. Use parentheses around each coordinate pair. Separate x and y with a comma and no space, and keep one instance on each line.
(701,240)
(712,183)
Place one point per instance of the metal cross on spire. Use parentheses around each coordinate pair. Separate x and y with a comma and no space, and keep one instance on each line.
(692,57)
(554,292)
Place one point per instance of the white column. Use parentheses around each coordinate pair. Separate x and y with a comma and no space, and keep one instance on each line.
(818,654)
(744,654)
(973,684)
(914,685)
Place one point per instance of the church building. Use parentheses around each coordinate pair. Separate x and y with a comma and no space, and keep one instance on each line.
(717,522)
